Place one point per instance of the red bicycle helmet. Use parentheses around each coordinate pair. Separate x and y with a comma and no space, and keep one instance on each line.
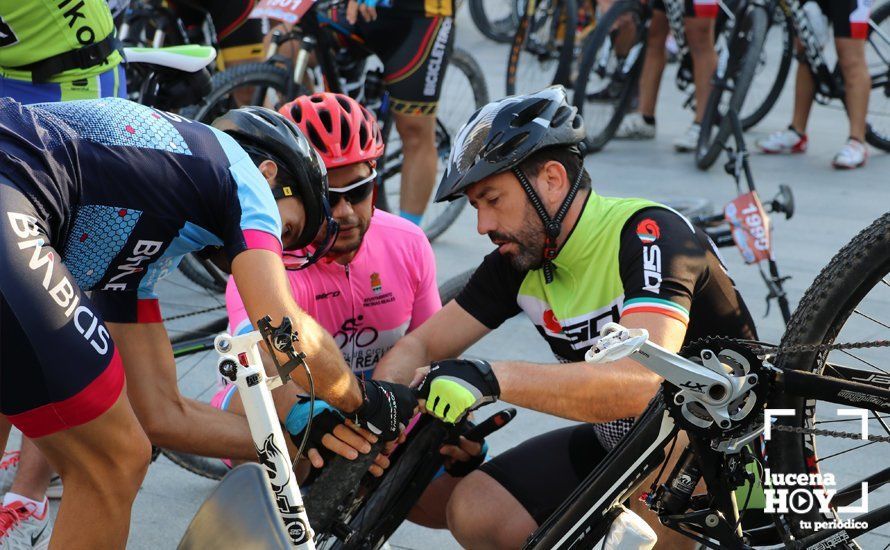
(339,128)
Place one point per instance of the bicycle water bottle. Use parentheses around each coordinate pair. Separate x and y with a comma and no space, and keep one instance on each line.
(629,532)
(818,22)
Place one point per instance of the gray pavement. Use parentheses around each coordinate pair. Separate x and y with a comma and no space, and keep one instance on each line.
(831,208)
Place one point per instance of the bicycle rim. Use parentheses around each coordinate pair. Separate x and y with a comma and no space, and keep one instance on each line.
(542,49)
(773,65)
(842,305)
(877,55)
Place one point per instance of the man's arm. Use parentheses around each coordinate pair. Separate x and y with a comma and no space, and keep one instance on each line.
(263,286)
(448,333)
(587,392)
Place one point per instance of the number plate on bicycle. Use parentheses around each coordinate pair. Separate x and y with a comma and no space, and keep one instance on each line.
(288,11)
(750,227)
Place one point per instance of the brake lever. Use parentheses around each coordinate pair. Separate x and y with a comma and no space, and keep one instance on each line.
(282,338)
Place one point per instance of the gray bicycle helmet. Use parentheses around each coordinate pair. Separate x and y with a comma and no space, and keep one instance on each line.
(267,134)
(501,135)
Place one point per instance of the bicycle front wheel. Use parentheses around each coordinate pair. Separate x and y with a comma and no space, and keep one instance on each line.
(877,56)
(496,19)
(735,71)
(609,71)
(543,47)
(248,84)
(844,304)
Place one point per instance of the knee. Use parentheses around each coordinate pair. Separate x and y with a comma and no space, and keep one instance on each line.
(416,130)
(473,523)
(699,34)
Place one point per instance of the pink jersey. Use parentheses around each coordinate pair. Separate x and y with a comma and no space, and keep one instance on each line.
(388,289)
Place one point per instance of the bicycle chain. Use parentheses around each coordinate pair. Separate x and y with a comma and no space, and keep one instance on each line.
(193,313)
(766,349)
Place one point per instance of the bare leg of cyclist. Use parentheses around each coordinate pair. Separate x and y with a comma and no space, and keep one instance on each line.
(102,464)
(482,514)
(653,64)
(857,82)
(5,427)
(418,133)
(804,92)
(700,35)
(34,473)
(171,420)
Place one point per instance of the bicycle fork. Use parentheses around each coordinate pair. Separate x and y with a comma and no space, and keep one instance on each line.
(240,362)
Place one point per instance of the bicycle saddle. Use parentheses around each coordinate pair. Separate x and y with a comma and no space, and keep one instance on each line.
(188,58)
(239,514)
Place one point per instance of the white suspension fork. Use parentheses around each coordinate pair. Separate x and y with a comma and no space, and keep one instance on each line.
(239,357)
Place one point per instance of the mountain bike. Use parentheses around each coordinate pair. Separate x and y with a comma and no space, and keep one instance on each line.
(729,89)
(347,70)
(731,395)
(543,46)
(612,60)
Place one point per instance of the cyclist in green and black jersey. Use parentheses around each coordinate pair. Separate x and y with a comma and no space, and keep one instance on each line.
(572,261)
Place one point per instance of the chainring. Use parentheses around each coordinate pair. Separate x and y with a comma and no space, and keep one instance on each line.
(745,411)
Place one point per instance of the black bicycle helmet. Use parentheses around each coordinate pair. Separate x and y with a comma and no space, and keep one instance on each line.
(502,134)
(265,133)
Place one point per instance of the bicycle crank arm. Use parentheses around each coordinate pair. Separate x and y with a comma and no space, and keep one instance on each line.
(240,362)
(707,382)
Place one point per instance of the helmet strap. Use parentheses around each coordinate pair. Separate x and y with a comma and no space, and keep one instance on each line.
(552,226)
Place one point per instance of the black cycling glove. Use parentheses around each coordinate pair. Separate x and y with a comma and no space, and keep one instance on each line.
(387,408)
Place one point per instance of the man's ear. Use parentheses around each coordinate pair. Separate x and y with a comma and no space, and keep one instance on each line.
(554,178)
(269,170)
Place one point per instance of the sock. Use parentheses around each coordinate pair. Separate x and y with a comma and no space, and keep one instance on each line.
(413,218)
(649,119)
(39,507)
(795,131)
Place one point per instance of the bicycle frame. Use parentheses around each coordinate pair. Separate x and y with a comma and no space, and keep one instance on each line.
(240,358)
(585,517)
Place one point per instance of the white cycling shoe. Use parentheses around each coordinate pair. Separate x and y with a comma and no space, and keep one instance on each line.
(783,142)
(689,140)
(22,529)
(634,127)
(853,155)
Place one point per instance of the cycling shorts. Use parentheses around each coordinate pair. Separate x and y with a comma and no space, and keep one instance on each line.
(692,8)
(111,83)
(415,53)
(240,38)
(543,471)
(58,365)
(848,17)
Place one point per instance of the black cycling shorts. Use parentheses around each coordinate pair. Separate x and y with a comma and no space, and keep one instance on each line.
(692,8)
(58,365)
(848,17)
(543,471)
(240,38)
(415,51)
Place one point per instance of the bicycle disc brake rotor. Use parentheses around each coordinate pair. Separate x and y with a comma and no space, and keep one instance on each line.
(738,360)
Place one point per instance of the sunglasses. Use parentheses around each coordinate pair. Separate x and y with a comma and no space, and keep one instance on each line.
(354,193)
(295,260)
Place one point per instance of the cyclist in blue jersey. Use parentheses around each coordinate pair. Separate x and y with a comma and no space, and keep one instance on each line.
(107,196)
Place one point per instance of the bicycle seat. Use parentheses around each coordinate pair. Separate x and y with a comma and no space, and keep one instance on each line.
(188,58)
(239,514)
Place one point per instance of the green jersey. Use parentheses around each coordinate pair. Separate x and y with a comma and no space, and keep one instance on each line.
(34,30)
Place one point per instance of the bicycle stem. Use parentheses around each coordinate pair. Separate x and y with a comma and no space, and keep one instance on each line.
(240,362)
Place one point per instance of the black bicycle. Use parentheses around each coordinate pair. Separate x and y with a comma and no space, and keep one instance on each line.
(340,69)
(496,19)
(717,391)
(746,56)
(543,47)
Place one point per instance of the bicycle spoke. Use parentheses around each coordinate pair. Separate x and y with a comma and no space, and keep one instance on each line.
(845,352)
(870,318)
(824,458)
(842,420)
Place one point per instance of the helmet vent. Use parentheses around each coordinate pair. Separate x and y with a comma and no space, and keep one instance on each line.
(530,113)
(561,116)
(317,98)
(325,116)
(363,136)
(296,112)
(344,132)
(344,104)
(316,140)
(509,147)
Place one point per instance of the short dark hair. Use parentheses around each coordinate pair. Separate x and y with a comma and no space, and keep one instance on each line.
(569,157)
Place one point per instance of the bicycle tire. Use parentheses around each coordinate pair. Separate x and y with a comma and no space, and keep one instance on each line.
(502,30)
(195,271)
(601,33)
(819,318)
(527,26)
(745,46)
(876,138)
(749,120)
(452,287)
(223,83)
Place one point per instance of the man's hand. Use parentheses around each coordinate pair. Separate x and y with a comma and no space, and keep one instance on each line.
(367,9)
(454,387)
(348,440)
(387,408)
(464,457)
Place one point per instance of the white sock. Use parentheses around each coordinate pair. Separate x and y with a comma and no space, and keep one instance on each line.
(39,507)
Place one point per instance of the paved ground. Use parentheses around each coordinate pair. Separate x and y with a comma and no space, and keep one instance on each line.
(831,208)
